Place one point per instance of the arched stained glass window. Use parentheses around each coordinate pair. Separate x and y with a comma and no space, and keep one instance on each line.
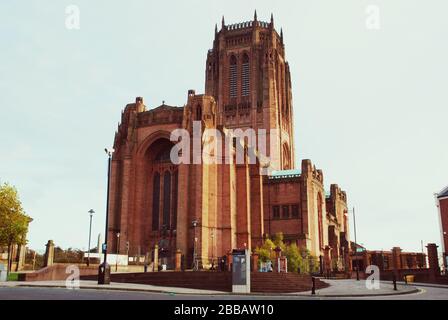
(155,201)
(166,198)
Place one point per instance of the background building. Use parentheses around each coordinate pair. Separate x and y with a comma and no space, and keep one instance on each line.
(387,260)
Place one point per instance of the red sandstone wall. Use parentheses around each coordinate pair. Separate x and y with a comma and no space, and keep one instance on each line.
(284,193)
(444,220)
(56,272)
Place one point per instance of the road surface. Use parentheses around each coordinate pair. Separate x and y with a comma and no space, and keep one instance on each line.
(26,293)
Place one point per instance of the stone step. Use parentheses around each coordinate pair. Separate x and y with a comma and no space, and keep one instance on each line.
(220,281)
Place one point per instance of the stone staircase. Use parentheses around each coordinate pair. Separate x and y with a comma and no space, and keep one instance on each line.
(205,280)
(282,282)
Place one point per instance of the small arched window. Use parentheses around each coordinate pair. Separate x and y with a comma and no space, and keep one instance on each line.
(245,76)
(286,157)
(233,73)
(198,113)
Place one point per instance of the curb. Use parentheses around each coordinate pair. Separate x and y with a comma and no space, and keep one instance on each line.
(429,285)
(400,293)
(111,289)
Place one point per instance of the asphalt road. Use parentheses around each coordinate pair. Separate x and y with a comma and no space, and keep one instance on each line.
(24,293)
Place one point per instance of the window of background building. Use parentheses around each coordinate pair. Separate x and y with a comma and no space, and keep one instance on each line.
(276,212)
(285,212)
(295,211)
(385,262)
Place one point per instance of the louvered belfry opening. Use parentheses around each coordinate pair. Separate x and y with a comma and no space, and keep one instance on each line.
(245,76)
(233,75)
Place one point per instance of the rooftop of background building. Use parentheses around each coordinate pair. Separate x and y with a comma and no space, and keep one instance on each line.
(443,193)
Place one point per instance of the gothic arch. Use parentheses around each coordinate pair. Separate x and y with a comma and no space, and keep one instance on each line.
(150,140)
(157,176)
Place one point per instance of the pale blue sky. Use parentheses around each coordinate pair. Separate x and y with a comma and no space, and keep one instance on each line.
(370,106)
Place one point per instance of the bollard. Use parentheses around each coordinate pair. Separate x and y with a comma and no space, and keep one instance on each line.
(395,282)
(313,289)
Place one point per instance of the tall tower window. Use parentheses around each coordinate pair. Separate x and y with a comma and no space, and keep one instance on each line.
(174,192)
(166,199)
(155,201)
(198,113)
(233,73)
(245,76)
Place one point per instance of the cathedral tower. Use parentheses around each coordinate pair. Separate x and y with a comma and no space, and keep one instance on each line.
(248,75)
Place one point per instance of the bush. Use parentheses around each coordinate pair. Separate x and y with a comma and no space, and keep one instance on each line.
(299,259)
(13,277)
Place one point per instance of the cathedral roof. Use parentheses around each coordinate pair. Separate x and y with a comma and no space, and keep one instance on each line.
(166,107)
(443,193)
(285,173)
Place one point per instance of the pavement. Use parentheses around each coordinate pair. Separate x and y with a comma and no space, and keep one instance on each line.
(353,288)
(116,286)
(337,288)
(89,290)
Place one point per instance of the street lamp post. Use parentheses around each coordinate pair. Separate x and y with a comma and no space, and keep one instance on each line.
(356,245)
(118,251)
(195,264)
(213,250)
(91,212)
(104,268)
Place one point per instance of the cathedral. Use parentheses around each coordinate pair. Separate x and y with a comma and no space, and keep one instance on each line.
(204,210)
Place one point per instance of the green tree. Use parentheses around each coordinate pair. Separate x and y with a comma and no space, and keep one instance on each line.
(13,220)
(265,251)
(292,253)
(68,256)
(307,263)
(278,241)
